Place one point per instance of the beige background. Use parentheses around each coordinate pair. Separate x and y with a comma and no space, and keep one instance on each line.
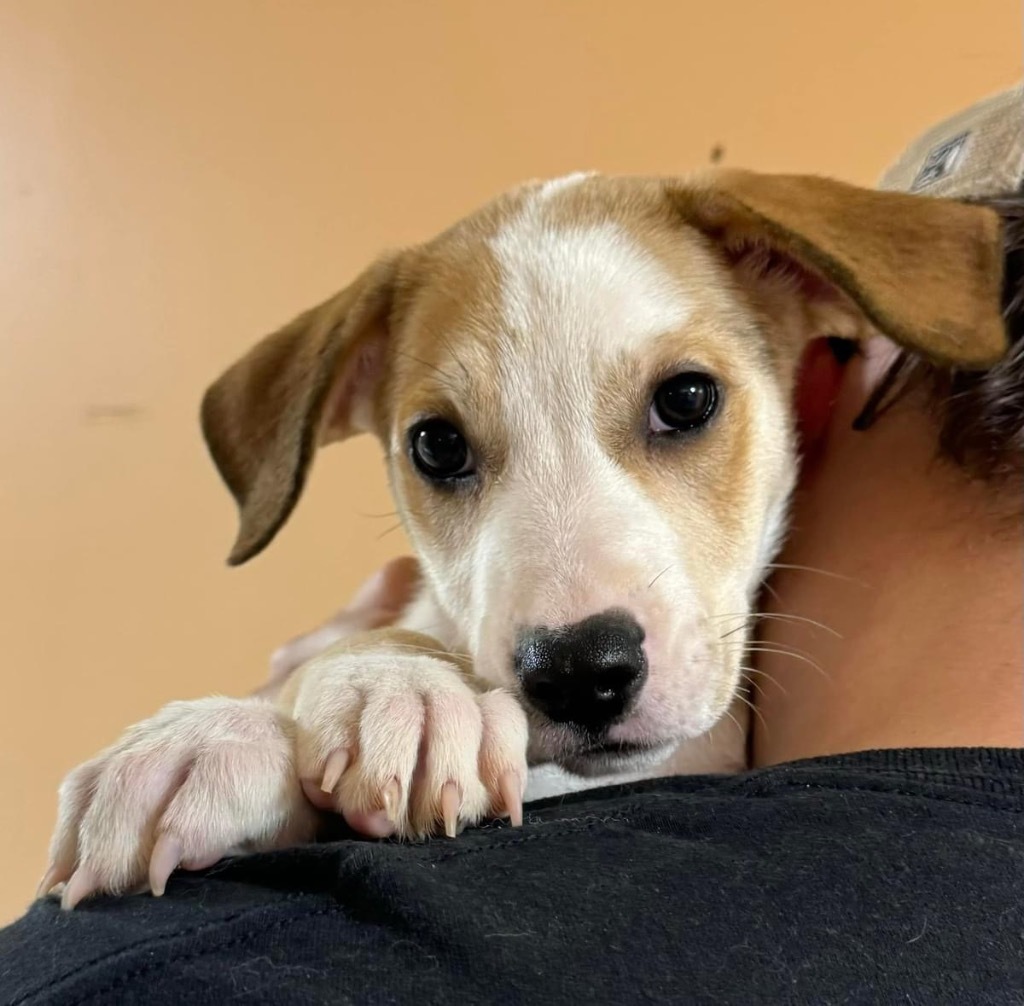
(178,178)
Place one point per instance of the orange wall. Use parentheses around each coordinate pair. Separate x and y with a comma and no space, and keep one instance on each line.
(178,178)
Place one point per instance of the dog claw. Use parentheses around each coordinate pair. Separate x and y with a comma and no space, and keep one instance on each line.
(337,762)
(202,862)
(54,875)
(390,797)
(316,796)
(451,803)
(164,861)
(512,797)
(83,883)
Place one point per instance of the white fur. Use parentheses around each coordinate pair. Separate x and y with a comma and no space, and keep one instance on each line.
(408,717)
(216,774)
(592,287)
(220,775)
(552,548)
(566,533)
(554,186)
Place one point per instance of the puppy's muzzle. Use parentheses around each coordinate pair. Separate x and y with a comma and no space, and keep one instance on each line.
(587,674)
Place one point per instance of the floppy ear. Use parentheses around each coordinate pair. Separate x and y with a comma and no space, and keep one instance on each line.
(928,273)
(308,384)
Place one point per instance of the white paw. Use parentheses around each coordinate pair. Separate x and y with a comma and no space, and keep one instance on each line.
(197,781)
(400,744)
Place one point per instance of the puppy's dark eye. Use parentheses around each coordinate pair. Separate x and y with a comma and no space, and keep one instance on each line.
(684,402)
(439,450)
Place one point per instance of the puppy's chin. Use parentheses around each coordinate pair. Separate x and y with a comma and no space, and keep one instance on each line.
(591,757)
(613,759)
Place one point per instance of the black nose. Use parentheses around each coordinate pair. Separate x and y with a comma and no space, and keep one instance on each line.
(586,674)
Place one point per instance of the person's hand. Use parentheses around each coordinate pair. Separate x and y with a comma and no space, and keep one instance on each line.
(378,603)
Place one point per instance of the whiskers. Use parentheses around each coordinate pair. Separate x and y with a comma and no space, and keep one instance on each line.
(746,618)
(814,569)
(660,575)
(783,650)
(382,516)
(748,673)
(753,708)
(736,722)
(748,647)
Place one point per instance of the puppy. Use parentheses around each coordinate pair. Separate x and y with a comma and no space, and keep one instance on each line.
(583,392)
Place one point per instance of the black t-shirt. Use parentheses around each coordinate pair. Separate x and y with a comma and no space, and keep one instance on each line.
(885,877)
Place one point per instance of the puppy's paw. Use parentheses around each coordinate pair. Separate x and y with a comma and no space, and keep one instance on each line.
(196,782)
(400,744)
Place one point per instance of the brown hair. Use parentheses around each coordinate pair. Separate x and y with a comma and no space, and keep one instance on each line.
(980,414)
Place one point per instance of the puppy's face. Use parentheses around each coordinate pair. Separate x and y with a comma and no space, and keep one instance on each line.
(583,390)
(589,436)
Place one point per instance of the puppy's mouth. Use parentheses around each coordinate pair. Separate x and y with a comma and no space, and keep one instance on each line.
(593,705)
(614,758)
(591,755)
(616,749)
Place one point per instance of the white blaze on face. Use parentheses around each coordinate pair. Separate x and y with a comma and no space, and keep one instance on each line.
(567,532)
(572,299)
(575,514)
(595,284)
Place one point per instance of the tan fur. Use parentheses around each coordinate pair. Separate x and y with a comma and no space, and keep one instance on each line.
(928,273)
(541,326)
(263,417)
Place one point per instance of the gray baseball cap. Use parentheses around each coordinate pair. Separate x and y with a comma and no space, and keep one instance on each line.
(977,152)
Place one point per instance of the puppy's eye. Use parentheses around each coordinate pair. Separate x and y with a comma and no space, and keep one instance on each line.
(440,451)
(684,402)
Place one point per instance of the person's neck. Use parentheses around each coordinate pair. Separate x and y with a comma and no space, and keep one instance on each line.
(919,571)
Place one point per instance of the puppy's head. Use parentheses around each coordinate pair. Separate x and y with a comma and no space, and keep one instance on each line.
(583,391)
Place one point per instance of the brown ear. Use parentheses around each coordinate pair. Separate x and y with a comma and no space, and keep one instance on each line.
(928,273)
(301,386)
